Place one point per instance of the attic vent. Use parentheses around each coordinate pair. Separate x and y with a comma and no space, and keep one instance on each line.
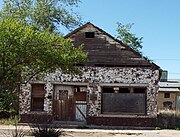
(89,34)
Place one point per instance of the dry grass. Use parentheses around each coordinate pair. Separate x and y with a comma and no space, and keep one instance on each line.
(170,112)
(9,121)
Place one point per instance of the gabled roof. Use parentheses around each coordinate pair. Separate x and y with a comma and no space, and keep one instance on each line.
(120,42)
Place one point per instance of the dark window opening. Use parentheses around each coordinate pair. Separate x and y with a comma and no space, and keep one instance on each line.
(124,90)
(167,105)
(89,34)
(77,89)
(139,90)
(166,95)
(37,97)
(108,90)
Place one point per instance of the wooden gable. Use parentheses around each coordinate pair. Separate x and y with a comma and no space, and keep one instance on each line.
(105,50)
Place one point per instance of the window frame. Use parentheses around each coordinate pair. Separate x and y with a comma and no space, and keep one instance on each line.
(118,90)
(36,97)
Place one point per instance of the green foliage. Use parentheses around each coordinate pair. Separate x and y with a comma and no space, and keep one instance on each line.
(169,120)
(129,38)
(26,51)
(31,51)
(44,13)
(47,132)
(7,100)
(9,121)
(29,44)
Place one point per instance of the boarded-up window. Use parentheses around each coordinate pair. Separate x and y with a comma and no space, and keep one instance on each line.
(37,97)
(80,93)
(124,101)
(80,96)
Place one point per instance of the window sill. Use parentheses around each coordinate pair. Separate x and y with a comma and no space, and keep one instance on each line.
(37,111)
(124,115)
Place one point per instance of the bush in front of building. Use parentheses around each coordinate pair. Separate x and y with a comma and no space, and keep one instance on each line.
(168,119)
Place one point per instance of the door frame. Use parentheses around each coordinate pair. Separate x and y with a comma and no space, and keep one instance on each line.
(70,96)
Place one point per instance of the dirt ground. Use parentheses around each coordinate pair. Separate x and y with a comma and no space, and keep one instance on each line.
(125,133)
(6,130)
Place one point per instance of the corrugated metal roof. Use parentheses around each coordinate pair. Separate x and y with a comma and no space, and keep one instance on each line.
(169,90)
(169,84)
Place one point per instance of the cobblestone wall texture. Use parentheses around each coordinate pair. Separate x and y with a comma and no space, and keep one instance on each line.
(94,76)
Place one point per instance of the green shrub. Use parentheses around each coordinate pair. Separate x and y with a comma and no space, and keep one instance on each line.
(169,119)
(8,98)
(9,121)
(8,114)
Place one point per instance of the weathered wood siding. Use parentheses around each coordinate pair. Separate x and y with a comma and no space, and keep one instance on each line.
(63,103)
(105,50)
(81,110)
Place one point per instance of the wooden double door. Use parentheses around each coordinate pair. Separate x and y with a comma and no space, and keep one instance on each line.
(68,104)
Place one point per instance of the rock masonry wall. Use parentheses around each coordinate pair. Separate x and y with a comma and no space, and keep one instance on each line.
(94,76)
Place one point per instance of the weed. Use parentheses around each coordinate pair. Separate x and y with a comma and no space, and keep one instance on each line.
(47,132)
(157,128)
(9,121)
(16,132)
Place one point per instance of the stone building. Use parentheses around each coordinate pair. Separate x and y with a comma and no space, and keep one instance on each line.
(118,86)
(169,95)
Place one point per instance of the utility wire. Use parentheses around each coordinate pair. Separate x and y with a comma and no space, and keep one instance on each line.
(168,59)
(176,73)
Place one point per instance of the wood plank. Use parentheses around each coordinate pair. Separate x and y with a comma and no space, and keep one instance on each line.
(80,96)
(124,103)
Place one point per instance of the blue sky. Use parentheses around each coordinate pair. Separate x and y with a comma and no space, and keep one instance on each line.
(157,21)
